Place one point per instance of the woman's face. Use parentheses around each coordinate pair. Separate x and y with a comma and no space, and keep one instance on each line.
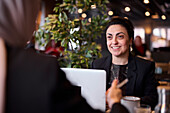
(118,40)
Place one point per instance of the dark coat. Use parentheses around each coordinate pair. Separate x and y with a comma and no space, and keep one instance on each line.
(35,84)
(142,82)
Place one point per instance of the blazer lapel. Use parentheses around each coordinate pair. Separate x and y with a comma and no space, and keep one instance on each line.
(131,76)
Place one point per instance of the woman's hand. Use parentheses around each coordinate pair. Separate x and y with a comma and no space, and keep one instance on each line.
(113,94)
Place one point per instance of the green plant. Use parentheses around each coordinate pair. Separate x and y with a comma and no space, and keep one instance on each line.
(61,27)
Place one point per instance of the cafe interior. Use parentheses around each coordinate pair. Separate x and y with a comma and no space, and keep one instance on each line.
(151,20)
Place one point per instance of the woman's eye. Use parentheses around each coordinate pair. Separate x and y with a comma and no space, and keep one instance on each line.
(120,36)
(109,37)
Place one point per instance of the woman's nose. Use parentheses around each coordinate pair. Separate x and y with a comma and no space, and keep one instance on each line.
(114,41)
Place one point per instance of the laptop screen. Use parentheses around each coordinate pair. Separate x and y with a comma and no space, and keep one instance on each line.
(92,83)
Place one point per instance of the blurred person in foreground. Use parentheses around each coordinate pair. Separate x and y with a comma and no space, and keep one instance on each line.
(121,64)
(31,82)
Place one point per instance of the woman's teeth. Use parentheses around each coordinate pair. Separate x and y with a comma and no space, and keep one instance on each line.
(115,47)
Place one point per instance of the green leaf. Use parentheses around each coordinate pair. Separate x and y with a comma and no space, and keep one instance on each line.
(60,17)
(56,9)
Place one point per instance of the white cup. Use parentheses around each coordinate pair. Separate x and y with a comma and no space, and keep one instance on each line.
(130,102)
(143,108)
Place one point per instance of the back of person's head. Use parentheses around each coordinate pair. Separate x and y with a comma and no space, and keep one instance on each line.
(116,20)
(17,20)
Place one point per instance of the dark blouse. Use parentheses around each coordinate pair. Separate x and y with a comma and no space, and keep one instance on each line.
(118,72)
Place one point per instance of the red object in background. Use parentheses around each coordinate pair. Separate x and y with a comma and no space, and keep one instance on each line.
(138,47)
(54,49)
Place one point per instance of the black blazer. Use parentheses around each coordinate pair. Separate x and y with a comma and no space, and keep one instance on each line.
(35,84)
(142,82)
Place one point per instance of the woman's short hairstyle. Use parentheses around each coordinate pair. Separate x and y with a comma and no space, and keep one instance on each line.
(123,22)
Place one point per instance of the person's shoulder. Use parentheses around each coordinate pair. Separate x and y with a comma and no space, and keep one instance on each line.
(102,59)
(101,62)
(32,57)
(42,57)
(144,61)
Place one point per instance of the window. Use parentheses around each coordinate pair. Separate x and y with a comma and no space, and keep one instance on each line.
(160,32)
(160,37)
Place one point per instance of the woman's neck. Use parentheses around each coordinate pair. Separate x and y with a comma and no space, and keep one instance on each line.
(120,60)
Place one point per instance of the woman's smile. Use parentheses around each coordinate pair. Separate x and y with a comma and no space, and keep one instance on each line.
(115,47)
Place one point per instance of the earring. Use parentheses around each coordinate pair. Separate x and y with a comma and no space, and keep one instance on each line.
(131,49)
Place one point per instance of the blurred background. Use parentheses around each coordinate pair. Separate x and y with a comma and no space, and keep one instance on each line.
(151,19)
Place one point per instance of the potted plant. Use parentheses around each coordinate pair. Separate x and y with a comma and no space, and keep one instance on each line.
(76,29)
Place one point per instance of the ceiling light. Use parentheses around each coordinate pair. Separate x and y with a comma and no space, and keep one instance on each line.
(80,10)
(93,6)
(127,9)
(163,17)
(148,30)
(110,13)
(156,16)
(84,15)
(146,1)
(126,18)
(89,19)
(147,13)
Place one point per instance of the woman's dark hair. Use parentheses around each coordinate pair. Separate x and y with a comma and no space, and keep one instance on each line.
(124,22)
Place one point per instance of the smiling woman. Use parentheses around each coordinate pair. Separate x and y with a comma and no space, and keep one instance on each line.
(121,64)
(118,43)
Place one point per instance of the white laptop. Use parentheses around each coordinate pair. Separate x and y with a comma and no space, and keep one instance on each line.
(93,85)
